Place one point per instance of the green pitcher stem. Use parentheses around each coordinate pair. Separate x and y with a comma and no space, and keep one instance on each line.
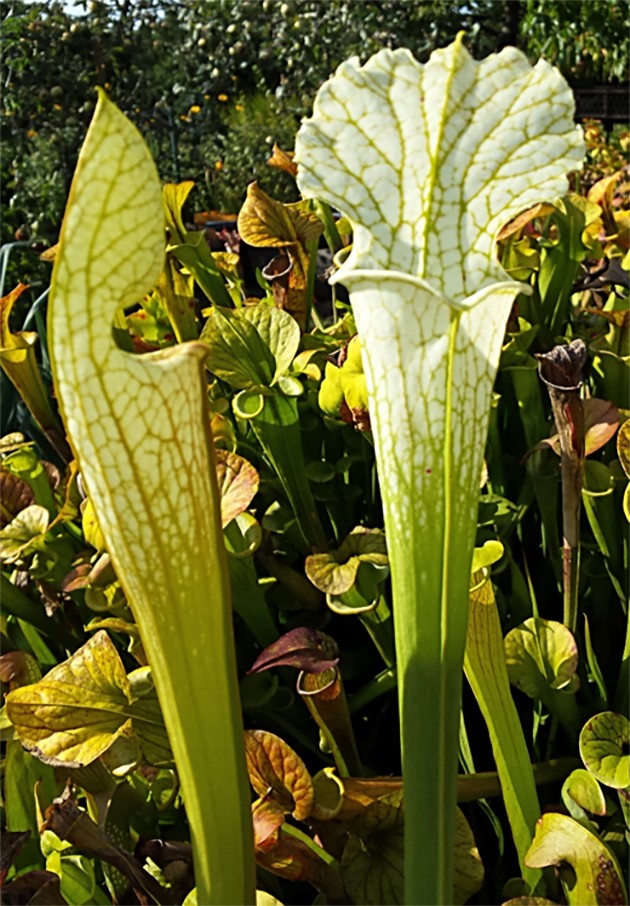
(278,431)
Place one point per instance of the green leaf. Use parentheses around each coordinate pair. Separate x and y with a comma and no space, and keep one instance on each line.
(23,775)
(541,655)
(335,573)
(595,673)
(372,859)
(191,250)
(252,347)
(24,534)
(582,793)
(485,556)
(278,331)
(604,743)
(248,404)
(597,879)
(237,355)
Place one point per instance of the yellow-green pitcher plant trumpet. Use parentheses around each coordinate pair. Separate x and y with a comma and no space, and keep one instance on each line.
(428,163)
(139,428)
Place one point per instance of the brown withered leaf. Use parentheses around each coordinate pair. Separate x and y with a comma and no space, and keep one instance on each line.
(295,861)
(539,210)
(70,823)
(268,817)
(18,668)
(283,160)
(15,496)
(601,420)
(262,221)
(37,887)
(277,772)
(238,484)
(11,842)
(266,223)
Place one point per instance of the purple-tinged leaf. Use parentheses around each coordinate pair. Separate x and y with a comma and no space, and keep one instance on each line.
(303,648)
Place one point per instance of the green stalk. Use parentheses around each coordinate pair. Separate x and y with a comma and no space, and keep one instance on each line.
(487,674)
(139,429)
(277,428)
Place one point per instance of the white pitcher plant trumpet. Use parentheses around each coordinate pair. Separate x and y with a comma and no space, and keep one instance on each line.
(428,163)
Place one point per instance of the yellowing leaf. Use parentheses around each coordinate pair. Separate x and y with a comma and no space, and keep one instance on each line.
(24,533)
(78,709)
(174,196)
(18,361)
(91,529)
(265,222)
(334,573)
(283,160)
(623,446)
(582,793)
(514,226)
(238,484)
(275,770)
(598,878)
(268,223)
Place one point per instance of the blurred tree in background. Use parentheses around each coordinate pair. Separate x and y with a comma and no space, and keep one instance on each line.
(213,83)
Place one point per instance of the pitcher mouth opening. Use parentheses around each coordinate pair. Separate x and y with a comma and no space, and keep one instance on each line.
(373,278)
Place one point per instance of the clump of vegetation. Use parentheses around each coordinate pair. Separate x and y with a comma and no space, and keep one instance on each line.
(267,510)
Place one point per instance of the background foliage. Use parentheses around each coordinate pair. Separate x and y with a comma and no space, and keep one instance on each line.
(212,83)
